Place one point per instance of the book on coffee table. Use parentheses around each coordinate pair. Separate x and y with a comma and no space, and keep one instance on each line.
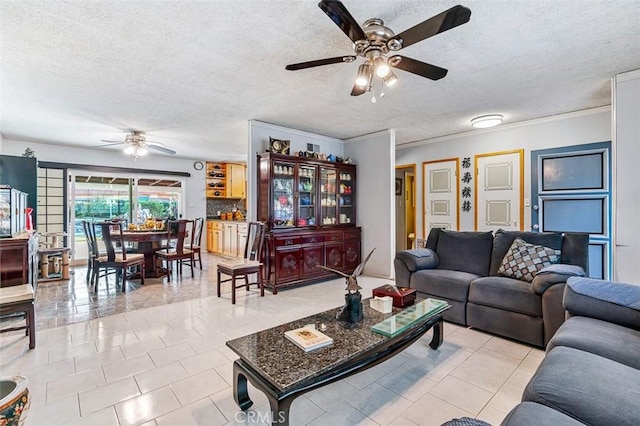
(408,317)
(308,338)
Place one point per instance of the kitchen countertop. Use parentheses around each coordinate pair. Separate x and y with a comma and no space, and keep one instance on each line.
(225,220)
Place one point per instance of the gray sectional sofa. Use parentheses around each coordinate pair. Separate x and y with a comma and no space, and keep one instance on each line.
(591,370)
(462,268)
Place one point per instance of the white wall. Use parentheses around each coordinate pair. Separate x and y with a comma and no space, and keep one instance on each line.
(195,199)
(626,145)
(258,136)
(562,130)
(374,154)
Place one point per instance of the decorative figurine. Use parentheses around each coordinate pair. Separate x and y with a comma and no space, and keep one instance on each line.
(351,312)
(28,153)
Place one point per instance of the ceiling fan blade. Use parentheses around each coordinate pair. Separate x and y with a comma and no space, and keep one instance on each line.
(161,149)
(320,62)
(448,19)
(417,67)
(357,90)
(343,19)
(109,143)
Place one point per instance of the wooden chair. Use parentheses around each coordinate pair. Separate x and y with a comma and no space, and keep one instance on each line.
(249,265)
(194,237)
(90,254)
(93,271)
(121,261)
(19,299)
(175,250)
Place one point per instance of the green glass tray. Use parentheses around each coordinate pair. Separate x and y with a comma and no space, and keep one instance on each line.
(398,323)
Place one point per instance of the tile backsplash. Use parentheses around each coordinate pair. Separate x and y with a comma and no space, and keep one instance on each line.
(223,205)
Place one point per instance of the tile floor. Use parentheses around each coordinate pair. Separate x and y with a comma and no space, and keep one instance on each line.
(168,365)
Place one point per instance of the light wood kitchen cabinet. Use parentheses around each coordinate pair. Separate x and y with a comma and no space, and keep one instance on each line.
(226,180)
(226,237)
(215,230)
(236,180)
(216,180)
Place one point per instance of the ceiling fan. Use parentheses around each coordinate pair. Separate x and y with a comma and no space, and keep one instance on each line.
(374,41)
(137,145)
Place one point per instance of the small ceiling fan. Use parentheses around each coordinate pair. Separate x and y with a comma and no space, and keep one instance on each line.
(374,41)
(138,145)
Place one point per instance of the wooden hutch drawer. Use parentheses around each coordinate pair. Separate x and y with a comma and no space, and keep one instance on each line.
(310,239)
(352,235)
(333,236)
(287,241)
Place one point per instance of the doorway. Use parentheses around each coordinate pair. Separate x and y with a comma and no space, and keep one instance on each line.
(571,192)
(405,206)
(96,197)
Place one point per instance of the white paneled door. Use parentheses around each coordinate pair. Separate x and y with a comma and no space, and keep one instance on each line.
(499,191)
(441,195)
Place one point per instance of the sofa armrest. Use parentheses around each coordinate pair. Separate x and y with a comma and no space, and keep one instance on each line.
(554,274)
(609,301)
(410,261)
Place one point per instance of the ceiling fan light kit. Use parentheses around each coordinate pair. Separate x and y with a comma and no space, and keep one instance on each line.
(373,41)
(485,121)
(136,145)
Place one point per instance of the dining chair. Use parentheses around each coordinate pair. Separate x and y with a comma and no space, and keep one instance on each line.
(121,261)
(250,264)
(93,271)
(90,255)
(19,301)
(195,239)
(175,250)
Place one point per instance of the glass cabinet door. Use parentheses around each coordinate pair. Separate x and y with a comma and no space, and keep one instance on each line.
(328,196)
(282,193)
(346,198)
(307,198)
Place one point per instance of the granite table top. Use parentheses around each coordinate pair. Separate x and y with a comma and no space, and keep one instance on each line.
(285,365)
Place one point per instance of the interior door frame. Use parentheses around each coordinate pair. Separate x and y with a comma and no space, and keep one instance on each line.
(411,166)
(424,185)
(604,239)
(477,173)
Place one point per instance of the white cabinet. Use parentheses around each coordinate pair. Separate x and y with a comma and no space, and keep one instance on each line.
(226,238)
(242,238)
(230,237)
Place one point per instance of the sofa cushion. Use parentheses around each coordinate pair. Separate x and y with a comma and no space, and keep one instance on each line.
(506,293)
(443,283)
(606,300)
(532,414)
(418,259)
(617,343)
(502,240)
(587,387)
(524,260)
(465,251)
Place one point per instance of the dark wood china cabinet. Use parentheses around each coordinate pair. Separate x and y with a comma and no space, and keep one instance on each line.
(310,210)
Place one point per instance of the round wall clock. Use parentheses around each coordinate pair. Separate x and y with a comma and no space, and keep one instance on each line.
(198,165)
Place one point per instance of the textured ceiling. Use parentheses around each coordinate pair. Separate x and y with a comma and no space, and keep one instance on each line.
(191,73)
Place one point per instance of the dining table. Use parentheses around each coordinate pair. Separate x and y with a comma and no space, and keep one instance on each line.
(148,241)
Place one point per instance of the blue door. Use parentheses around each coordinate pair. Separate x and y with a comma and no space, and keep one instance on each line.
(571,192)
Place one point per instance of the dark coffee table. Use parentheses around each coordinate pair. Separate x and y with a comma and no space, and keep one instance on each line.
(283,371)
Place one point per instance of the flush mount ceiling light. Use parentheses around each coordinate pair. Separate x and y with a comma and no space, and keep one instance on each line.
(485,121)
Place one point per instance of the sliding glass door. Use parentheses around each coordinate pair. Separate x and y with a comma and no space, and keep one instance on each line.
(97,197)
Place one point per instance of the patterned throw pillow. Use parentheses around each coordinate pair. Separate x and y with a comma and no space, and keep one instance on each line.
(524,260)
